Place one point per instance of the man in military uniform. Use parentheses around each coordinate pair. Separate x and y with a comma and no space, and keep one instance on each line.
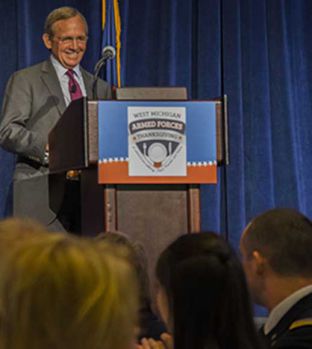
(276,249)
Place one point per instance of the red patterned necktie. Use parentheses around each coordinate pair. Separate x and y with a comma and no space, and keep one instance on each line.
(73,86)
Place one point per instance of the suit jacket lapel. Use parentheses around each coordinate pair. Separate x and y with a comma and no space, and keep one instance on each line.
(88,81)
(50,79)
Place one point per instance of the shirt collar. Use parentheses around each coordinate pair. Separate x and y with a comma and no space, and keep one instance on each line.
(61,70)
(282,308)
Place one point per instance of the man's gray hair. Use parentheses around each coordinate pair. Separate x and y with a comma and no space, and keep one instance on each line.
(60,13)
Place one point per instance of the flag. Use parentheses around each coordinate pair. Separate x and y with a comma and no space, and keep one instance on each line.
(111,32)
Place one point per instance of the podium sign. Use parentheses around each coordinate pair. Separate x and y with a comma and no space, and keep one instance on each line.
(153,142)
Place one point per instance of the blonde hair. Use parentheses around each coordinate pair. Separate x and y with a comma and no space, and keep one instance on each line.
(61,292)
(14,231)
(12,227)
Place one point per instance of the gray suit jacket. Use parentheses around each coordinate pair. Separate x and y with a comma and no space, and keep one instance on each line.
(33,103)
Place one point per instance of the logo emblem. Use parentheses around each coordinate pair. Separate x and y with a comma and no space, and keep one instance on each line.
(157,138)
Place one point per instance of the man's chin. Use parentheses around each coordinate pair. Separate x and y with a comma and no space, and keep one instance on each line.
(71,64)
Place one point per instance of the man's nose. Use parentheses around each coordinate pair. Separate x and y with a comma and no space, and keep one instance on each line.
(74,43)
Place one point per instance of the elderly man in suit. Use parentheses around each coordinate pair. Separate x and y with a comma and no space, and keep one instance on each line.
(276,248)
(34,100)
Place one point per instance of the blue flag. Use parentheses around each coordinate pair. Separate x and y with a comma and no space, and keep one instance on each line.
(111,31)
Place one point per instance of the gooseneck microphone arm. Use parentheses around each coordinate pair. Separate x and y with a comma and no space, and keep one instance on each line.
(108,52)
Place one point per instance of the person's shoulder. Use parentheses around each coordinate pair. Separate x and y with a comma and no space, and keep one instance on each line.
(31,70)
(103,87)
(302,323)
(103,83)
(298,335)
(90,76)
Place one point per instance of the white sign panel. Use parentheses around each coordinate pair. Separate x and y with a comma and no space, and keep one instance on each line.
(157,141)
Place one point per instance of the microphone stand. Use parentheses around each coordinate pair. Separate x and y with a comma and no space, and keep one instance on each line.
(97,70)
(108,52)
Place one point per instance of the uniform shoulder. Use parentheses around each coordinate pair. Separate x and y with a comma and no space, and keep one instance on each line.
(298,335)
(301,323)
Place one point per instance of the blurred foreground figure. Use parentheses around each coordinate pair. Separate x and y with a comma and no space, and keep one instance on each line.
(149,324)
(62,292)
(203,296)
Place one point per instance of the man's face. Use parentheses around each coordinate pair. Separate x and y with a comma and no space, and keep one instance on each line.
(69,41)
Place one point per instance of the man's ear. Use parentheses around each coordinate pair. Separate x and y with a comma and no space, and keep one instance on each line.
(47,41)
(260,262)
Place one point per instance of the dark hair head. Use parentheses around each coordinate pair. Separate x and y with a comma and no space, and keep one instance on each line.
(61,13)
(284,237)
(137,258)
(207,294)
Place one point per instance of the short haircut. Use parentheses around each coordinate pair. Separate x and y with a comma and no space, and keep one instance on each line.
(284,237)
(61,292)
(62,13)
(207,294)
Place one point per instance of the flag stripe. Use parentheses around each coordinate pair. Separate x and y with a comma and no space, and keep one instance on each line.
(118,42)
(103,14)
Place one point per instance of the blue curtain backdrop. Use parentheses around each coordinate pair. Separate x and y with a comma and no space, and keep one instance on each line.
(258,52)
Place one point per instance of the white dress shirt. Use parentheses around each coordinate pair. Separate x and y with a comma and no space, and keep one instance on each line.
(63,79)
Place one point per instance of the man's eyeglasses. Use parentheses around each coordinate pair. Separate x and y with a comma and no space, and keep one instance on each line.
(67,40)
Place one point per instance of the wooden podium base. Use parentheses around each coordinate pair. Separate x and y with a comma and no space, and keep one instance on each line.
(153,215)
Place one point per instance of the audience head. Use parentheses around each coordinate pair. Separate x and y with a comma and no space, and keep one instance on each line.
(14,231)
(149,325)
(276,247)
(62,292)
(137,258)
(203,294)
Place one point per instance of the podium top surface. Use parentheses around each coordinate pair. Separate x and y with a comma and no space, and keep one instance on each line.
(151,93)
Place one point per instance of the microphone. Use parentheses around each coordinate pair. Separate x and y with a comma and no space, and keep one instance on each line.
(108,52)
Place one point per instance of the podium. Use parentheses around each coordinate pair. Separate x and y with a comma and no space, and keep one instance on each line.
(152,211)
